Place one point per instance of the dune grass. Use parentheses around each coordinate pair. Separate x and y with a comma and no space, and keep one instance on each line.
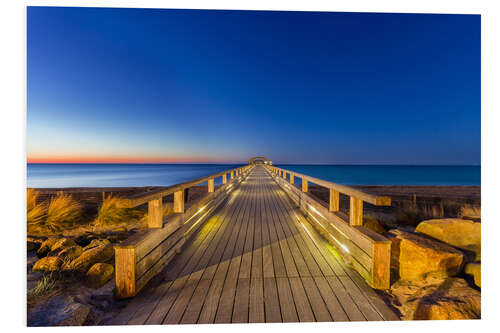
(63,212)
(32,197)
(60,213)
(36,212)
(44,285)
(110,212)
(470,211)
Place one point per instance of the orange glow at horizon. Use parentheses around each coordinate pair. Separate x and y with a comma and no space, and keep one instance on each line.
(124,159)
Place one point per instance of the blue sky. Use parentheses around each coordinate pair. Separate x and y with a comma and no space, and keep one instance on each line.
(150,85)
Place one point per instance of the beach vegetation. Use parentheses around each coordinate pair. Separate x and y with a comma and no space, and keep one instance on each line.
(111,212)
(62,213)
(469,210)
(36,211)
(45,284)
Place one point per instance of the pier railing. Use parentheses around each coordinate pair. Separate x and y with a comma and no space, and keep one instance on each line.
(367,251)
(146,253)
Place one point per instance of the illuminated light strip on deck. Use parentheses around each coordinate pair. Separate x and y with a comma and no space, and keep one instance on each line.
(210,210)
(199,211)
(320,224)
(335,239)
(316,211)
(201,218)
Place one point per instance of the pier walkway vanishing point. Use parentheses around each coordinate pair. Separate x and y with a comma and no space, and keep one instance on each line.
(248,253)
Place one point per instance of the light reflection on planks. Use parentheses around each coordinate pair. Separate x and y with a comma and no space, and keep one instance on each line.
(253,262)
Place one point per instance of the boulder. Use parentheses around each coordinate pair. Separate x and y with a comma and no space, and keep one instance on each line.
(436,299)
(474,269)
(59,311)
(463,234)
(70,253)
(48,264)
(416,257)
(61,244)
(45,247)
(99,274)
(120,229)
(95,243)
(84,240)
(102,253)
(374,225)
(32,245)
(117,237)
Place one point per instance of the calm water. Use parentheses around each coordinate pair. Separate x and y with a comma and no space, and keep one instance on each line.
(111,175)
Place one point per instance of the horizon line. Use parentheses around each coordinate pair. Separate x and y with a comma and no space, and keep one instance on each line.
(275,164)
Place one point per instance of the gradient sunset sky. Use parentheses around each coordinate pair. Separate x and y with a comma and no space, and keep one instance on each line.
(150,85)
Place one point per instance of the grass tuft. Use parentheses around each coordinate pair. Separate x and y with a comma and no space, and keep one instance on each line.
(32,197)
(468,210)
(110,212)
(45,284)
(62,213)
(36,212)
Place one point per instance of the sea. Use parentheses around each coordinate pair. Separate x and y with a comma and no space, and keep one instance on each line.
(130,175)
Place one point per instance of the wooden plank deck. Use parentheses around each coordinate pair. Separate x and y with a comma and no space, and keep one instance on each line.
(255,261)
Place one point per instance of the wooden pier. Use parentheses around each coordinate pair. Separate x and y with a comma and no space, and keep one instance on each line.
(249,252)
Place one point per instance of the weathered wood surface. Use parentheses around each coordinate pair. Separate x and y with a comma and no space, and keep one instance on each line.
(142,198)
(350,191)
(367,251)
(255,259)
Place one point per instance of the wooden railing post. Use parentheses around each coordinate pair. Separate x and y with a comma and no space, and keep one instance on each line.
(292,178)
(179,201)
(125,272)
(381,265)
(155,213)
(211,185)
(334,200)
(304,185)
(224,178)
(284,174)
(356,212)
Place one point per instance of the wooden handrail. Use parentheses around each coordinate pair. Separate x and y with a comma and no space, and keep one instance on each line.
(142,198)
(147,252)
(366,197)
(367,251)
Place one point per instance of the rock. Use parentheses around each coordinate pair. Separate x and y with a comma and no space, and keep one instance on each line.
(59,311)
(95,243)
(416,257)
(45,247)
(463,234)
(374,225)
(61,244)
(31,259)
(99,274)
(117,238)
(70,253)
(436,299)
(48,264)
(85,240)
(92,256)
(32,246)
(120,229)
(474,269)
